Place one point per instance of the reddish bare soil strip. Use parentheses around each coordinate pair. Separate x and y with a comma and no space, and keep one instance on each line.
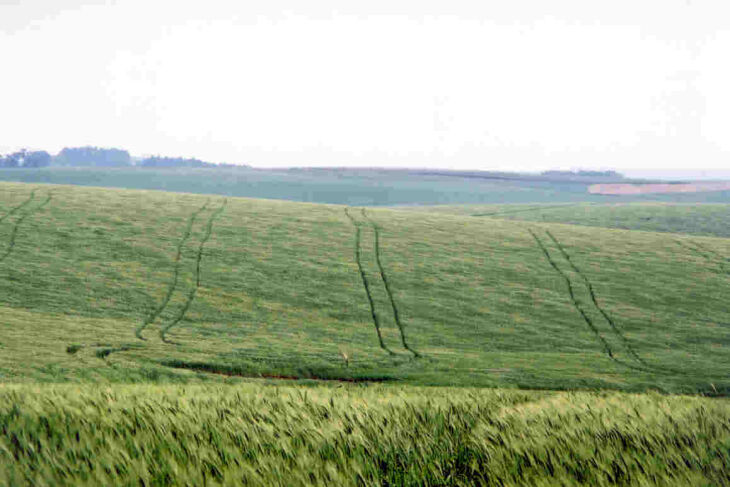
(658,188)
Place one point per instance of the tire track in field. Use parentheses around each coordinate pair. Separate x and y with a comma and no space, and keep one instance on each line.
(569,285)
(19,207)
(199,258)
(176,273)
(708,254)
(524,210)
(396,316)
(718,255)
(586,318)
(19,221)
(366,284)
(592,294)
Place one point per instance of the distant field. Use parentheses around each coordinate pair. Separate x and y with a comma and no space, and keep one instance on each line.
(243,287)
(694,219)
(369,187)
(248,434)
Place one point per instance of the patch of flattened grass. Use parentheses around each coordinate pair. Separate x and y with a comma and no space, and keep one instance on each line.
(298,373)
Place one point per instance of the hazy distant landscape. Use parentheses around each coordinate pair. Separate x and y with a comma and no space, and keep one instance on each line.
(367,244)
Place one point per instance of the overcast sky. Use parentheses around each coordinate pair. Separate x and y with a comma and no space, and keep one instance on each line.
(521,84)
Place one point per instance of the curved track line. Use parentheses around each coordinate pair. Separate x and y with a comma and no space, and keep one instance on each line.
(14,233)
(15,209)
(401,328)
(708,254)
(523,210)
(569,284)
(586,318)
(176,273)
(718,255)
(199,258)
(366,284)
(588,284)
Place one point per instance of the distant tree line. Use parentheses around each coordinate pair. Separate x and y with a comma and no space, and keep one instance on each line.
(92,157)
(25,158)
(98,157)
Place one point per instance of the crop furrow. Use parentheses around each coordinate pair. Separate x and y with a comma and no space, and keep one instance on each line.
(366,284)
(19,207)
(176,273)
(592,294)
(199,258)
(16,227)
(388,291)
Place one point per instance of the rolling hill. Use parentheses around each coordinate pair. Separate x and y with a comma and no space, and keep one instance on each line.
(120,285)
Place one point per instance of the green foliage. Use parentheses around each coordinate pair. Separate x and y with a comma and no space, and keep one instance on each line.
(92,157)
(270,290)
(695,219)
(277,292)
(25,159)
(250,434)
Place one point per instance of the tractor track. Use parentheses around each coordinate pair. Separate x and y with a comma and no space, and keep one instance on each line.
(523,210)
(396,316)
(607,348)
(708,254)
(16,227)
(199,258)
(176,273)
(19,207)
(592,294)
(569,284)
(718,255)
(366,284)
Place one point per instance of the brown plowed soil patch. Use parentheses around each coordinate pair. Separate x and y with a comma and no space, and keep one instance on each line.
(658,188)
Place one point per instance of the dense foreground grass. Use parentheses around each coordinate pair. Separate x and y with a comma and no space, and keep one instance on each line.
(134,286)
(356,435)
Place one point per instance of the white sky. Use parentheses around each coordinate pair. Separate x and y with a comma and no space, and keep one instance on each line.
(524,84)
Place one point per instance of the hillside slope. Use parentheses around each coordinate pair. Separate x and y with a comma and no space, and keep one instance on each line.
(711,220)
(224,287)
